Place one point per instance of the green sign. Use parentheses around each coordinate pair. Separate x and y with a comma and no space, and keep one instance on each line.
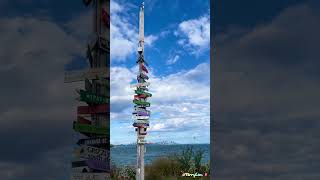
(143,103)
(92,98)
(86,128)
(139,91)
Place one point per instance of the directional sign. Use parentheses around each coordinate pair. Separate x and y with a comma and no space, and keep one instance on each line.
(141,125)
(82,120)
(85,128)
(93,73)
(102,108)
(140,84)
(142,113)
(140,117)
(93,141)
(139,91)
(93,153)
(90,176)
(141,121)
(92,98)
(144,68)
(143,76)
(98,165)
(142,103)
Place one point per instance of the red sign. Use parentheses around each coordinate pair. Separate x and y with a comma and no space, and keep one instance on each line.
(144,68)
(102,108)
(82,120)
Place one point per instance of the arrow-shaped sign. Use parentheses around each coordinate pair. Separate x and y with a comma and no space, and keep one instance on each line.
(92,98)
(98,165)
(140,84)
(102,108)
(142,103)
(101,141)
(85,128)
(92,153)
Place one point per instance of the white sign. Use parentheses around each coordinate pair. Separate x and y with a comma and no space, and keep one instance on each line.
(140,84)
(90,176)
(94,73)
(89,152)
(140,117)
(141,121)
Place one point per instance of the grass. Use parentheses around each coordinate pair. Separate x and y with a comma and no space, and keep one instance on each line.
(169,167)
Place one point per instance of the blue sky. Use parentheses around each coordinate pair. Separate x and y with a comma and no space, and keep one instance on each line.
(177,50)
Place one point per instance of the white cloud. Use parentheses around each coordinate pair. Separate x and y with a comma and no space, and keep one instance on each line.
(195,34)
(173,59)
(180,101)
(124,34)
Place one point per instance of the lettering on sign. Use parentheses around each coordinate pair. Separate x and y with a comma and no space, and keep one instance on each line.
(93,153)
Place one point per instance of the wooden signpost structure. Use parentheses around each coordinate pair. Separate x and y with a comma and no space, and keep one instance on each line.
(94,150)
(141,114)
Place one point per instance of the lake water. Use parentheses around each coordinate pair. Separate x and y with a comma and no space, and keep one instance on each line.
(126,154)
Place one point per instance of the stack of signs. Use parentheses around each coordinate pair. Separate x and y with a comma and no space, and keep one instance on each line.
(92,150)
(141,114)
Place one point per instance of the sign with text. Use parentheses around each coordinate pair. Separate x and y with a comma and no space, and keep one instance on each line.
(102,108)
(85,128)
(92,98)
(93,141)
(93,153)
(140,84)
(98,165)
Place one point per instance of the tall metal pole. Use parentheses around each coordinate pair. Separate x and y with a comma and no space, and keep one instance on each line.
(141,114)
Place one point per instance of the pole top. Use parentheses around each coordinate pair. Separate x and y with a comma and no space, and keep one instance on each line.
(142,5)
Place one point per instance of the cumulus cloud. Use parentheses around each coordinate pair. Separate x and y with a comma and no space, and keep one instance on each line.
(173,59)
(179,102)
(194,34)
(124,33)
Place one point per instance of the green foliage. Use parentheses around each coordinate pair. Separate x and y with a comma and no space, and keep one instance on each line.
(168,167)
(198,155)
(185,159)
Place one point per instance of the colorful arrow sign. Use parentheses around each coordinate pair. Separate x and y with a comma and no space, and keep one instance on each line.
(142,103)
(89,152)
(144,68)
(85,128)
(98,165)
(102,108)
(139,92)
(93,141)
(140,84)
(92,98)
(82,120)
(140,117)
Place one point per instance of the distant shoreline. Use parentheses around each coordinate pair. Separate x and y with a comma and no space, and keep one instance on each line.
(113,145)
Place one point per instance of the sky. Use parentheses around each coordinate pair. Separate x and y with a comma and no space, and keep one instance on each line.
(177,51)
(266,85)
